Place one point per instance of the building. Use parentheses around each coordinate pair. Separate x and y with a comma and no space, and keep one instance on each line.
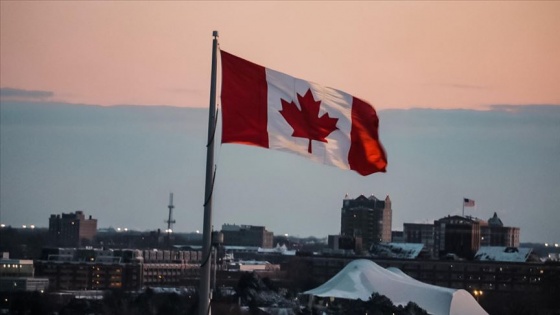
(368,218)
(419,233)
(252,266)
(494,233)
(462,236)
(247,235)
(345,243)
(19,275)
(456,235)
(397,236)
(127,269)
(71,229)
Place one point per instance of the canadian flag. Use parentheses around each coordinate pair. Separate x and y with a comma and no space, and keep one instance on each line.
(270,109)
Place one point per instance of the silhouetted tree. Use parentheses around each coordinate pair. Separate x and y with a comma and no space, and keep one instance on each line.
(115,302)
(376,305)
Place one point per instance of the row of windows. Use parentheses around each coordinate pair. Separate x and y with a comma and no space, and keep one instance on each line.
(471,268)
(14,266)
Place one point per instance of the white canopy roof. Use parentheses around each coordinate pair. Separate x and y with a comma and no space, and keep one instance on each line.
(360,278)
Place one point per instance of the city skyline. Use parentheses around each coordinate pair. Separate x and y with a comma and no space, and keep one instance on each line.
(118,229)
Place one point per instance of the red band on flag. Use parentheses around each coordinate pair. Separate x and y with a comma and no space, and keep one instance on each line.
(243,84)
(366,153)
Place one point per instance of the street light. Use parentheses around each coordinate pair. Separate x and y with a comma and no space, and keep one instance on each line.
(477,294)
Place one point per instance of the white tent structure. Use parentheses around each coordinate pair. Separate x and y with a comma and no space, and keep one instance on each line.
(360,278)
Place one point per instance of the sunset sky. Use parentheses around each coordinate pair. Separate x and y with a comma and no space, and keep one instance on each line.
(467,92)
(394,54)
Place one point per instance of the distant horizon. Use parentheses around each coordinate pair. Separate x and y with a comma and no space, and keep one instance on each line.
(545,244)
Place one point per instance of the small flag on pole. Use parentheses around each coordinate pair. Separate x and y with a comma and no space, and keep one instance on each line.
(269,109)
(468,202)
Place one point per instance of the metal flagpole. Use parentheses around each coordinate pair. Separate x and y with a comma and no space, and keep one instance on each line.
(204,291)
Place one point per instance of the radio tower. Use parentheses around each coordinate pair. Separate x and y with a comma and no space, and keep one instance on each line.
(170,220)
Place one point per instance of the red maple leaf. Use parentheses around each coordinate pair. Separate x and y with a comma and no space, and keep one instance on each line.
(306,122)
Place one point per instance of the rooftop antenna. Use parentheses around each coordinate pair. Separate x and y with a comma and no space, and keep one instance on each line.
(170,220)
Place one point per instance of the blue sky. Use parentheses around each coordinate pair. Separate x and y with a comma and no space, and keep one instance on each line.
(119,164)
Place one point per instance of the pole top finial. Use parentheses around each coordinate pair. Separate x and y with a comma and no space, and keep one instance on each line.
(215,33)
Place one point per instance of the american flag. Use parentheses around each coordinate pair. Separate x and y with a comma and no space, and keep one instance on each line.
(468,202)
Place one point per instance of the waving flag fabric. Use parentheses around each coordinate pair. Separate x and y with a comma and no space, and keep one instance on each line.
(468,202)
(269,109)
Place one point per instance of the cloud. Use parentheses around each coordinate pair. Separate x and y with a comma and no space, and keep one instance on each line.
(20,94)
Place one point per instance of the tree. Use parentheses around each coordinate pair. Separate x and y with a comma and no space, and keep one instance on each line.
(378,305)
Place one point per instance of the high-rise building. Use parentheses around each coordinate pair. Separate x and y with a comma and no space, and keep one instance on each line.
(71,229)
(368,218)
(456,235)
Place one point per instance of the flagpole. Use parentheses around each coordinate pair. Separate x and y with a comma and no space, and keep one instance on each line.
(204,291)
(463,207)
